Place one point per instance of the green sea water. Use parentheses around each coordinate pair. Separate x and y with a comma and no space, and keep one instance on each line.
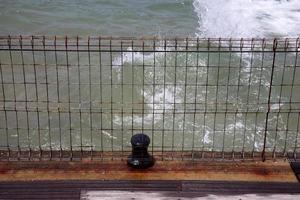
(98,17)
(168,18)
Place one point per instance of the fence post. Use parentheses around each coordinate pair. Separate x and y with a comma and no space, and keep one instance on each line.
(269,100)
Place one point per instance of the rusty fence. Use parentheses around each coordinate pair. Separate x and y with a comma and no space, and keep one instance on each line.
(196,98)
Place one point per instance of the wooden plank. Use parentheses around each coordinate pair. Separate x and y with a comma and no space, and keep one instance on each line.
(163,170)
(120,195)
(237,187)
(295,165)
(92,185)
(146,189)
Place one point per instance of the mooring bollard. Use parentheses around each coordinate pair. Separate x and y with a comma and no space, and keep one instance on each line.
(140,158)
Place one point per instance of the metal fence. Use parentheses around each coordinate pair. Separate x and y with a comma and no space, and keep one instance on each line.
(196,98)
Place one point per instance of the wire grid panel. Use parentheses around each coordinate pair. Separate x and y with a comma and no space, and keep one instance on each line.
(191,95)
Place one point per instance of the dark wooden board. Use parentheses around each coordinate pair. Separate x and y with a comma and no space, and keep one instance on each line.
(72,189)
(296,168)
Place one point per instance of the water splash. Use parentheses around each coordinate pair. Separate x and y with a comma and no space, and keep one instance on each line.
(248,18)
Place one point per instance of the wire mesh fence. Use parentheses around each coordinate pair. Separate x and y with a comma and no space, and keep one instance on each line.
(196,98)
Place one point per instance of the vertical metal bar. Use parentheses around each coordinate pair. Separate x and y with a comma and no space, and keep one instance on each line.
(227,92)
(26,98)
(14,94)
(79,94)
(5,112)
(111,97)
(122,100)
(91,101)
(132,86)
(226,102)
(101,98)
(269,100)
(174,100)
(153,95)
(164,102)
(263,46)
(297,46)
(280,96)
(206,97)
(252,45)
(195,100)
(238,91)
(240,73)
(143,85)
(58,98)
(216,100)
(184,105)
(143,88)
(47,96)
(69,97)
(36,97)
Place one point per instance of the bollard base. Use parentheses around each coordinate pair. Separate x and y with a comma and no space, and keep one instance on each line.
(140,163)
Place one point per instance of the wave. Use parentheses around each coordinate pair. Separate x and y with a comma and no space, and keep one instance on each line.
(248,18)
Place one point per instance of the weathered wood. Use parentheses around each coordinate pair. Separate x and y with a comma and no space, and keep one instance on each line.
(163,170)
(94,190)
(120,195)
(295,165)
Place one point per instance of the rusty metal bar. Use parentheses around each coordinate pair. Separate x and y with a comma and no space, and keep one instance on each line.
(269,99)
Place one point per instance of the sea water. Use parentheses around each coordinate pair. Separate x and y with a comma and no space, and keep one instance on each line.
(185,18)
(217,18)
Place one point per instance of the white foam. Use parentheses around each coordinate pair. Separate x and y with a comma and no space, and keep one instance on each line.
(276,106)
(248,18)
(207,134)
(130,55)
(135,57)
(163,97)
(109,134)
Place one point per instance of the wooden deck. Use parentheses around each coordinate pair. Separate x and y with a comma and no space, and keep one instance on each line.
(269,171)
(296,168)
(93,180)
(95,190)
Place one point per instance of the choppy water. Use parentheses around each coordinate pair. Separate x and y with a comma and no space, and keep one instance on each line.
(217,18)
(187,18)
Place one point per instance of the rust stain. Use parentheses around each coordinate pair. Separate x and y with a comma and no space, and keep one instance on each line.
(163,170)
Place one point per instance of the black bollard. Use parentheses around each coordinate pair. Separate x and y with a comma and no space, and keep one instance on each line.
(140,158)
